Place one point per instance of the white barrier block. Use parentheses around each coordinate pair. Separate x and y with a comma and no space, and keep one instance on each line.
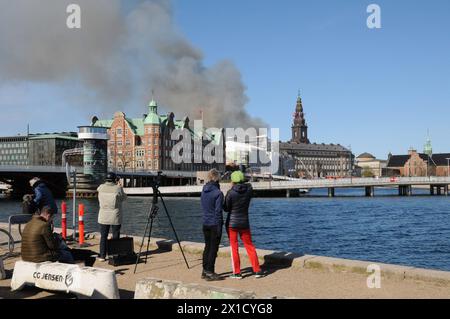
(2,270)
(84,281)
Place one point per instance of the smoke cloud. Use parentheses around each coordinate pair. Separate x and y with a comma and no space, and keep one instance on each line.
(117,58)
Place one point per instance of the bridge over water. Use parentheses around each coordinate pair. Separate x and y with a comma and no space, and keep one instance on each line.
(57,178)
(137,182)
(18,177)
(437,185)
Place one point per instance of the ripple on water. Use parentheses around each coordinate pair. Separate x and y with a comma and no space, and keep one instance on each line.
(411,231)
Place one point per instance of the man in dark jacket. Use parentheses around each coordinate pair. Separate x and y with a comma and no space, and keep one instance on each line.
(236,204)
(212,202)
(42,195)
(39,244)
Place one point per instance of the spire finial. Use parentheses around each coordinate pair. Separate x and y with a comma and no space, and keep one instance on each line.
(153,105)
(428,149)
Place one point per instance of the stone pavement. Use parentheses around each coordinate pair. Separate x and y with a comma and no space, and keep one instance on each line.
(298,277)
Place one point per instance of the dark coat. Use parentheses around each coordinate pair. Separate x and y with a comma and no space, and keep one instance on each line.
(43,197)
(212,204)
(237,202)
(38,242)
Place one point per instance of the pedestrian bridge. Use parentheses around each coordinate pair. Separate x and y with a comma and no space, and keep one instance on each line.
(438,185)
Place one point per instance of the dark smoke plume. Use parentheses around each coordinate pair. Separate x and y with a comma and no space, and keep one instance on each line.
(117,58)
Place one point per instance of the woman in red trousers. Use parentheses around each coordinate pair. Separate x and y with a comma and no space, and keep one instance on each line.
(237,202)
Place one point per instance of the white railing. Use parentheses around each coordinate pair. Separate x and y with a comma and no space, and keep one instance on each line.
(352,182)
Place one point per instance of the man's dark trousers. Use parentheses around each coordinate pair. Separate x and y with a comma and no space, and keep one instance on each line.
(213,235)
(104,231)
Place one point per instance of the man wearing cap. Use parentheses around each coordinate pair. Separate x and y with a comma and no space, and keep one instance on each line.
(237,202)
(110,197)
(42,195)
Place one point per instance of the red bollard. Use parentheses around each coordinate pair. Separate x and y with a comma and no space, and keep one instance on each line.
(80,224)
(64,220)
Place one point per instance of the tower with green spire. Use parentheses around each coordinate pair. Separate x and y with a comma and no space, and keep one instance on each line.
(152,117)
(428,148)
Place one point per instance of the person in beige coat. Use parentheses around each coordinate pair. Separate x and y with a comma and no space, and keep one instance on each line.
(110,197)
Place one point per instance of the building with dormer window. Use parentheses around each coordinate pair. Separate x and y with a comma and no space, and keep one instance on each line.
(145,144)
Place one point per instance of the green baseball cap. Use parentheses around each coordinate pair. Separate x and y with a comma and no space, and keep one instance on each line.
(237,177)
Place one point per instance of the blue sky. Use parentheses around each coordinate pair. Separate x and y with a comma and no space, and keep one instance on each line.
(376,90)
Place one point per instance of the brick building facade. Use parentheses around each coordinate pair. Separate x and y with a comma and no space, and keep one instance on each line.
(419,164)
(145,144)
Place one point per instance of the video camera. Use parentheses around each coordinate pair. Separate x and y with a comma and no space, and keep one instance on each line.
(155,185)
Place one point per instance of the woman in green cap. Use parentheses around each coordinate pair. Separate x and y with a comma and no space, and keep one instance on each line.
(237,202)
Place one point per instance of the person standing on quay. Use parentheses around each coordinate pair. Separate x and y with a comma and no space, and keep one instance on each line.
(212,206)
(42,196)
(237,202)
(110,197)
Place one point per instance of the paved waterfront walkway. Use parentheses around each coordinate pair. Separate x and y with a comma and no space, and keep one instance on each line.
(292,281)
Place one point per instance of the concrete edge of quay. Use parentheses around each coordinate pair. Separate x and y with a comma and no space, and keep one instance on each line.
(294,260)
(320,263)
(154,288)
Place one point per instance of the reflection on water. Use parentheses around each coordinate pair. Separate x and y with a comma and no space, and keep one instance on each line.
(400,230)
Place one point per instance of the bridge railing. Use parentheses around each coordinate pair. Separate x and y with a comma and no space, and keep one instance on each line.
(355,182)
(34,168)
(155,173)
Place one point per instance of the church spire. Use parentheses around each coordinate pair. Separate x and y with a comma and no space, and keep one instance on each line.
(299,107)
(428,149)
(299,127)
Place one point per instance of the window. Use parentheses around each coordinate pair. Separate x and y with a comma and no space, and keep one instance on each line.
(140,153)
(127,142)
(119,131)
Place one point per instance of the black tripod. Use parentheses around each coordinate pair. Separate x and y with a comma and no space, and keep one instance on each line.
(151,216)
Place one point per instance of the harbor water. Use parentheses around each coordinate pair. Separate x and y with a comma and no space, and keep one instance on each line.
(413,231)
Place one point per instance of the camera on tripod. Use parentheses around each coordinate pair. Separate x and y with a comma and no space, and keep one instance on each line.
(150,219)
(155,185)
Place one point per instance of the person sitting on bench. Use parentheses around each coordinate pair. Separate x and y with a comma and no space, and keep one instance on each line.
(39,244)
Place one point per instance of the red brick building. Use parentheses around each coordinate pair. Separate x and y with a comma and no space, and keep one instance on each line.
(419,164)
(145,143)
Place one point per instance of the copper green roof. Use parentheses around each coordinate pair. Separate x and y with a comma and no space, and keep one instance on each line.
(137,125)
(104,123)
(152,118)
(179,124)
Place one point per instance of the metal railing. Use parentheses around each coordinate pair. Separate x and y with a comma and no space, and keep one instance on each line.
(35,168)
(356,182)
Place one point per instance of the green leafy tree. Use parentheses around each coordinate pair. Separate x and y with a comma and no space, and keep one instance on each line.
(367,172)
